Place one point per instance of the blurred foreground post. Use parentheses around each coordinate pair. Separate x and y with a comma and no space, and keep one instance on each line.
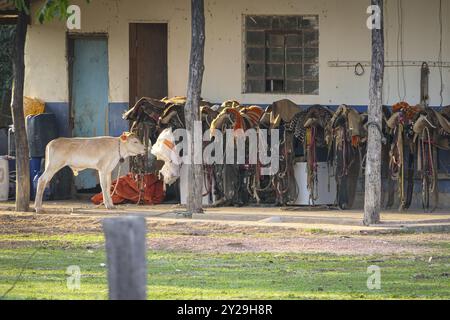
(126,257)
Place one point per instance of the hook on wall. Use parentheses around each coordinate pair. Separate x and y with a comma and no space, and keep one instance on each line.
(359,69)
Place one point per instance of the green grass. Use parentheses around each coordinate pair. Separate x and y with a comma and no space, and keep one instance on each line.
(184,275)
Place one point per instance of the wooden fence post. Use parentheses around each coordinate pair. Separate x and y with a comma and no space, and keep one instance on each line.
(126,252)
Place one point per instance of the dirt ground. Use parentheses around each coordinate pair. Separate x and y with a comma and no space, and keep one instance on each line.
(199,236)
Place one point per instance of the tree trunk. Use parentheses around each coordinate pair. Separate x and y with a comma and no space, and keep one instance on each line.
(372,198)
(192,110)
(22,153)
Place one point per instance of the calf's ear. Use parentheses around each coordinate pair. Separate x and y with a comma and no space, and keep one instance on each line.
(124,137)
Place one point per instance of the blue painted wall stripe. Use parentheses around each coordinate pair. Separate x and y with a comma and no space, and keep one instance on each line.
(117,125)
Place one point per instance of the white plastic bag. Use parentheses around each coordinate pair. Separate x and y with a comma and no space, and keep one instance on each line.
(170,172)
(164,148)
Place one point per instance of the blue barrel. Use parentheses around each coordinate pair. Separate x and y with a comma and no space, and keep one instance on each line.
(41,129)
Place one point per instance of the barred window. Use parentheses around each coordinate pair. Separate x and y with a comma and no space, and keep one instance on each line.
(282,54)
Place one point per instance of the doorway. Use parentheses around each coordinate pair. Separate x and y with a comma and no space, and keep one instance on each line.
(148,61)
(89,89)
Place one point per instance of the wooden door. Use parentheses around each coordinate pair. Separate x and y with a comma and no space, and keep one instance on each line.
(148,61)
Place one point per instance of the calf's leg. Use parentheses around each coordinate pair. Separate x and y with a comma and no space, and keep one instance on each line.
(48,174)
(106,189)
(109,185)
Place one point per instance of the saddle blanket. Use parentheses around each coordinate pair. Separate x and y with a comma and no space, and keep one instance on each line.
(128,191)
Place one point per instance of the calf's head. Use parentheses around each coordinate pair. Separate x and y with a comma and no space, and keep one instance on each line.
(131,143)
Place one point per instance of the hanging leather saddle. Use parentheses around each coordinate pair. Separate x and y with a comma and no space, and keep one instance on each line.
(232,179)
(344,134)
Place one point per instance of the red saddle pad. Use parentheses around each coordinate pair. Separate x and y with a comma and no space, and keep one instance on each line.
(128,191)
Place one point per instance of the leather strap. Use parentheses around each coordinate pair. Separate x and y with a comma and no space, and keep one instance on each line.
(121,159)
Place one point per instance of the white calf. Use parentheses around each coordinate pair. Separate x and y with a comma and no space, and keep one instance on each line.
(99,153)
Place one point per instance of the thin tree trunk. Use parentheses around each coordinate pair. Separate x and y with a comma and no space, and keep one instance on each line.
(22,153)
(192,110)
(372,198)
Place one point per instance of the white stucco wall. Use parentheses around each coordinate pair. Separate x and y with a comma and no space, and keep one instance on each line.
(343,36)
